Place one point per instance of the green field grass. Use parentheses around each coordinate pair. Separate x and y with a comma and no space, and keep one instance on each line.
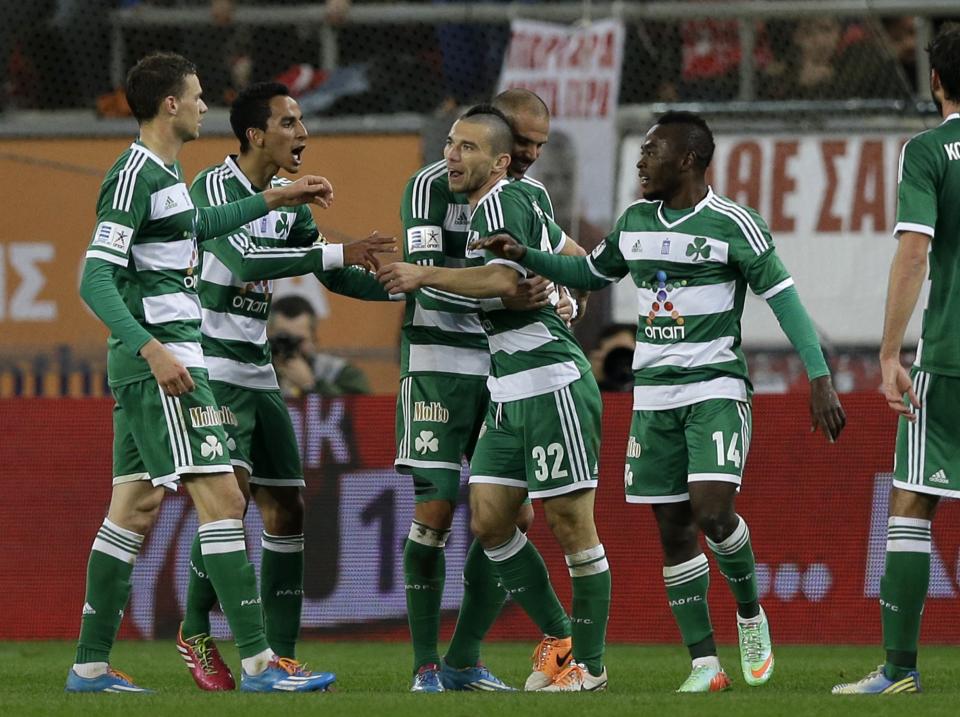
(373,681)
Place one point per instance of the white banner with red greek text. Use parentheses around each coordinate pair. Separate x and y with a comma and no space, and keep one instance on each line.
(576,71)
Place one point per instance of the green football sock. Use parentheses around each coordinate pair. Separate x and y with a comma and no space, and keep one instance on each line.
(903,589)
(201,597)
(424,573)
(736,563)
(590,575)
(687,585)
(225,557)
(111,562)
(483,598)
(281,588)
(524,575)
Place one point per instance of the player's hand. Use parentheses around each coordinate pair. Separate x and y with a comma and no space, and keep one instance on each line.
(896,382)
(566,307)
(825,410)
(364,252)
(503,245)
(173,378)
(532,293)
(401,278)
(310,189)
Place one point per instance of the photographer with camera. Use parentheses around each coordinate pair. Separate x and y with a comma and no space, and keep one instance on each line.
(300,367)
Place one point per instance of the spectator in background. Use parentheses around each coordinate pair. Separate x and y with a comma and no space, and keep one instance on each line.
(612,360)
(300,367)
(884,65)
(808,69)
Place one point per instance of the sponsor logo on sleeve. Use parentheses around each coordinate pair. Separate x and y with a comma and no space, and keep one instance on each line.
(113,236)
(424,239)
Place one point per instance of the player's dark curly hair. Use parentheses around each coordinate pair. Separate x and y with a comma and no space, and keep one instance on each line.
(698,136)
(153,78)
(252,109)
(501,131)
(944,52)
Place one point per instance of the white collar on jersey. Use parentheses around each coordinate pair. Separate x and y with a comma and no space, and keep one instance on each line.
(696,210)
(232,165)
(493,190)
(955,115)
(137,147)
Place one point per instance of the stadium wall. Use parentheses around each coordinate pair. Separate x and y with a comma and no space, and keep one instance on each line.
(51,189)
(817,513)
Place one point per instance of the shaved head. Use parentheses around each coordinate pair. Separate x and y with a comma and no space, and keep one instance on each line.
(499,131)
(520,101)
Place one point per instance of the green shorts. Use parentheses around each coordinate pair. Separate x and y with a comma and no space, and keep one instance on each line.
(548,444)
(927,458)
(438,419)
(666,450)
(260,434)
(161,438)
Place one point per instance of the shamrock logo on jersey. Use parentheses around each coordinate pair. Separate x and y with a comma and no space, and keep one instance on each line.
(627,476)
(426,442)
(211,447)
(282,225)
(699,249)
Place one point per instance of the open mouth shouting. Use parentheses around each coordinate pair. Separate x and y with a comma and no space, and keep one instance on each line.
(297,154)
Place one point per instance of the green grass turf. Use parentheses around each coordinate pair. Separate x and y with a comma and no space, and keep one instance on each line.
(373,679)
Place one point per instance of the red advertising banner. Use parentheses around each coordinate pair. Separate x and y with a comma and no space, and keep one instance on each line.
(817,514)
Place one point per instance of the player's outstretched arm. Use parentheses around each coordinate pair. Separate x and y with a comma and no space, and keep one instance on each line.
(826,413)
(907,273)
(480,282)
(570,271)
(215,221)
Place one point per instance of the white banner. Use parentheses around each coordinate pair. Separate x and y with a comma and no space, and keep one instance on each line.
(576,70)
(830,202)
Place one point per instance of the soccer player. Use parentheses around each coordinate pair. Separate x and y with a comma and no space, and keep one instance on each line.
(444,365)
(926,464)
(140,279)
(235,294)
(692,254)
(541,433)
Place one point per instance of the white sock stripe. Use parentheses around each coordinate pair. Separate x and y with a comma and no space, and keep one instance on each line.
(585,570)
(896,520)
(282,543)
(425,535)
(905,545)
(736,540)
(220,547)
(128,534)
(586,556)
(508,549)
(221,525)
(114,551)
(684,572)
(125,545)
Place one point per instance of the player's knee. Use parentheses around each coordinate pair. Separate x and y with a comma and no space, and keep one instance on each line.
(489,529)
(141,515)
(435,514)
(717,523)
(282,513)
(525,517)
(679,541)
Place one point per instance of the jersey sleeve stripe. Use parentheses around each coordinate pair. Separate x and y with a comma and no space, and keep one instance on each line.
(776,289)
(451,298)
(749,222)
(106,256)
(421,189)
(597,272)
(512,264)
(123,194)
(913,227)
(744,228)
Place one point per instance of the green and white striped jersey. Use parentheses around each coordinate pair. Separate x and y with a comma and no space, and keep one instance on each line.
(531,352)
(928,191)
(237,272)
(441,331)
(691,274)
(147,226)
